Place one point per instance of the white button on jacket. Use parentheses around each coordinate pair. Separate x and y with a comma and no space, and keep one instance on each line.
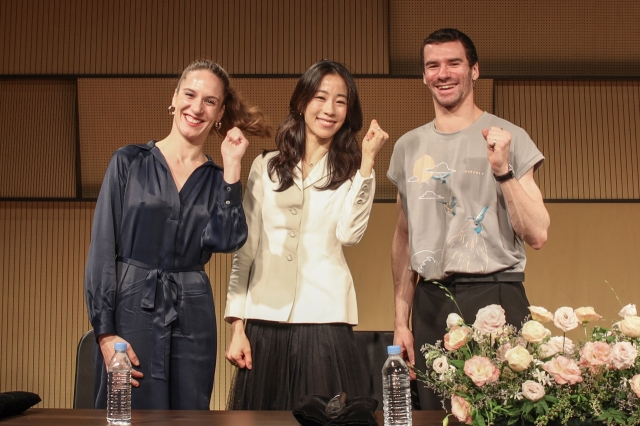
(305,279)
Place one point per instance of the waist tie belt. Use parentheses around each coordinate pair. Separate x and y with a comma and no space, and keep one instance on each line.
(165,312)
(498,277)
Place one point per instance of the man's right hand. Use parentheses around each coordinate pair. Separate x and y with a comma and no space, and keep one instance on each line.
(107,342)
(403,337)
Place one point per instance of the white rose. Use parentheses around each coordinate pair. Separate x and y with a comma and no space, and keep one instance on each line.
(533,391)
(519,358)
(623,355)
(454,320)
(628,311)
(587,314)
(565,319)
(440,365)
(540,314)
(630,326)
(557,345)
(534,332)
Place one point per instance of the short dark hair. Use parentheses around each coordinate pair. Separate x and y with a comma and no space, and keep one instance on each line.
(445,35)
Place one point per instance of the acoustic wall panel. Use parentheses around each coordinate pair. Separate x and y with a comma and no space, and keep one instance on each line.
(116,112)
(37,138)
(163,36)
(524,38)
(589,132)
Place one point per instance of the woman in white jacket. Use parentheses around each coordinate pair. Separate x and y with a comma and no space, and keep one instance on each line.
(291,301)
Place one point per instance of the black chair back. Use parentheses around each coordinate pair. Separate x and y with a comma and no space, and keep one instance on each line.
(85,372)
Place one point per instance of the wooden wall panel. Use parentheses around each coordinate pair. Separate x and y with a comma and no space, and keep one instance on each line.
(43,248)
(135,111)
(524,38)
(589,132)
(163,36)
(37,138)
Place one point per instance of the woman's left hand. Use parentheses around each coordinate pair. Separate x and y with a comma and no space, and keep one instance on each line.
(371,144)
(232,149)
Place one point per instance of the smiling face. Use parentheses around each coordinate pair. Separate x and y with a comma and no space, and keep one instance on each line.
(326,112)
(198,105)
(448,75)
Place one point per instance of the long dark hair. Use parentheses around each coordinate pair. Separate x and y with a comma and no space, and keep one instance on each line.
(344,153)
(237,113)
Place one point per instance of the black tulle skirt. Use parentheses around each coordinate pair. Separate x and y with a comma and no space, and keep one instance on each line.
(291,361)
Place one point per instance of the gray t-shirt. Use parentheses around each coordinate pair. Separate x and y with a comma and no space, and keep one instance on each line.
(456,212)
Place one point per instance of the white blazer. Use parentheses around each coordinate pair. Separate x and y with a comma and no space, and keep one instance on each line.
(292,268)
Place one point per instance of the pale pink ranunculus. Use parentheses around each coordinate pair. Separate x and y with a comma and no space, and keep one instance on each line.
(630,326)
(440,365)
(635,384)
(628,311)
(481,370)
(533,391)
(540,314)
(454,320)
(557,345)
(456,338)
(594,354)
(563,370)
(490,319)
(461,408)
(519,358)
(535,332)
(587,314)
(623,355)
(565,319)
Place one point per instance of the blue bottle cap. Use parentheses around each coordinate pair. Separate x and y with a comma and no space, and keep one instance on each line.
(120,346)
(394,350)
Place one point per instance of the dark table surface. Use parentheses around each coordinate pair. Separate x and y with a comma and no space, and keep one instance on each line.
(68,417)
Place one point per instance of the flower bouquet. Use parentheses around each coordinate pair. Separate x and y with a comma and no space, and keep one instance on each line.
(494,373)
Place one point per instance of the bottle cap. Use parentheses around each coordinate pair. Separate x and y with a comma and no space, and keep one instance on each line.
(120,346)
(393,350)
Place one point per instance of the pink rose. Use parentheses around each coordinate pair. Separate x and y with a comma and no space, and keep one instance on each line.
(540,314)
(557,345)
(454,320)
(519,358)
(461,409)
(623,355)
(533,391)
(587,314)
(481,370)
(593,354)
(534,332)
(635,384)
(456,338)
(628,311)
(490,319)
(630,326)
(563,370)
(565,319)
(440,365)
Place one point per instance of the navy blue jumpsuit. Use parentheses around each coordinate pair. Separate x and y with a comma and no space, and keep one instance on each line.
(145,278)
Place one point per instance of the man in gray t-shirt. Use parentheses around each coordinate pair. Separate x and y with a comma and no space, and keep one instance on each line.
(467,204)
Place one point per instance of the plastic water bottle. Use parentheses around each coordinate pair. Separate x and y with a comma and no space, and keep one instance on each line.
(119,387)
(396,390)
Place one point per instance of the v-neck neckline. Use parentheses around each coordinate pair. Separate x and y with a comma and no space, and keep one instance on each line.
(188,184)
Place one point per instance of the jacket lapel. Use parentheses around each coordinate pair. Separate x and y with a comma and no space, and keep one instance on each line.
(319,171)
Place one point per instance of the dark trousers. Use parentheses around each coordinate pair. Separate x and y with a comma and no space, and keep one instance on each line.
(431,307)
(191,348)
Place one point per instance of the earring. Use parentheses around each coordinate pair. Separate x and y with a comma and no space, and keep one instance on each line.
(217,124)
(172,110)
(474,84)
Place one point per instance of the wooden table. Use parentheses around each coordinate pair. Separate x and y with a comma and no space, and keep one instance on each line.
(68,417)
